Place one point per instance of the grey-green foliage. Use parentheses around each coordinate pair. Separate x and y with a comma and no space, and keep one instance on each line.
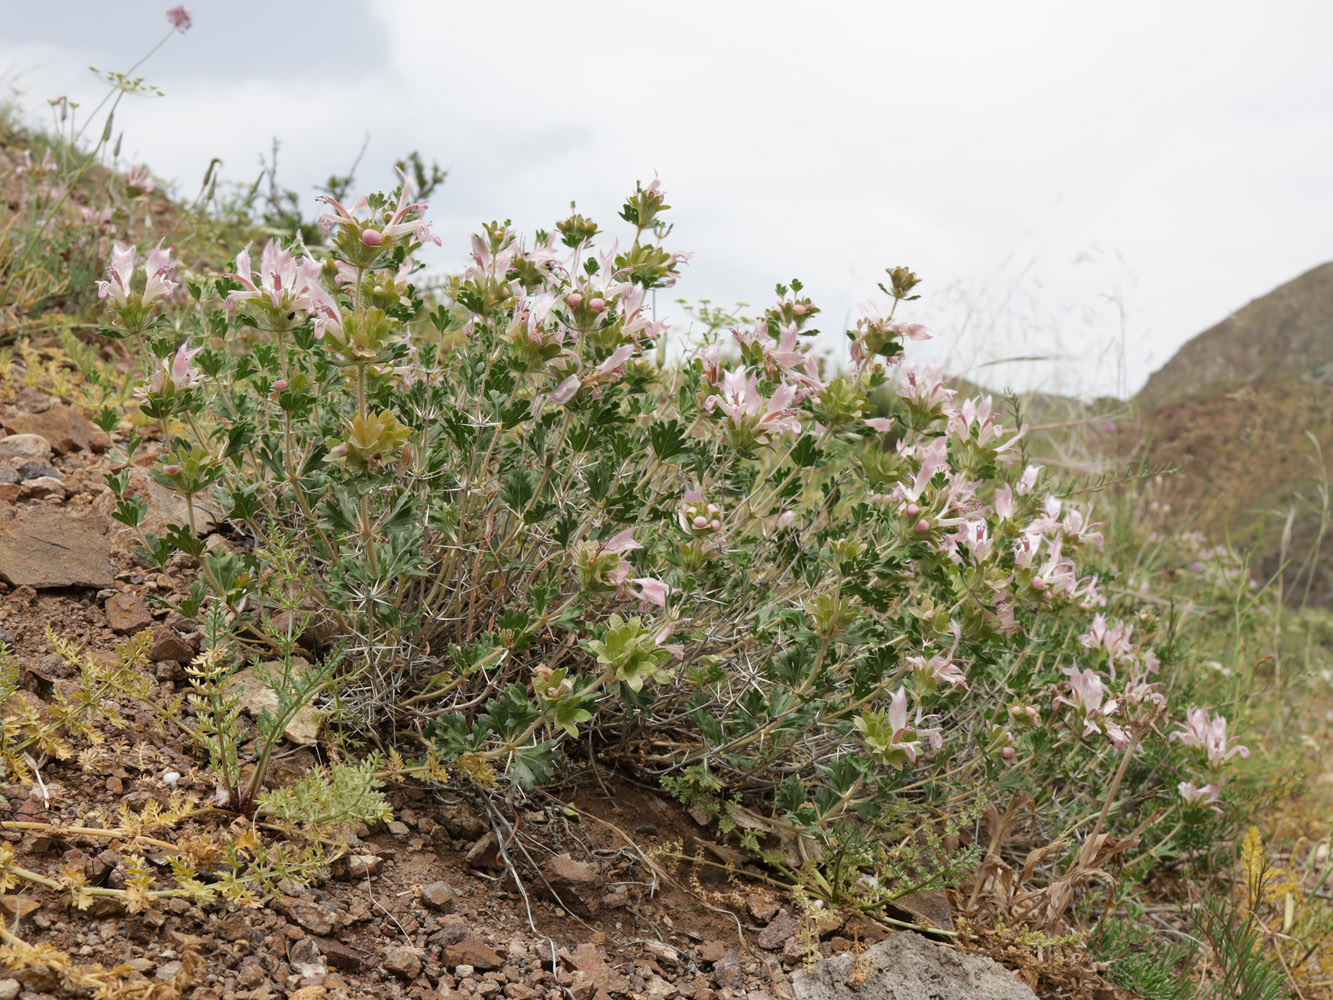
(215,707)
(343,793)
(1247,973)
(1142,962)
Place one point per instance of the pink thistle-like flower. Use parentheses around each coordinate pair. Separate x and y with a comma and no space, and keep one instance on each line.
(180,19)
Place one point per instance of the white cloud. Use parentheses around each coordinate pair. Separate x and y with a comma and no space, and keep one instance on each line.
(828,142)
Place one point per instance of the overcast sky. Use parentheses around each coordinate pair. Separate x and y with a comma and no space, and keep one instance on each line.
(1092,183)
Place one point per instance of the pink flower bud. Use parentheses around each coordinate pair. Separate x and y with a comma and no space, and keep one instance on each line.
(700,523)
(1007,753)
(597,305)
(280,385)
(798,309)
(371,237)
(574,300)
(912,510)
(339,451)
(715,524)
(1038,583)
(921,526)
(171,470)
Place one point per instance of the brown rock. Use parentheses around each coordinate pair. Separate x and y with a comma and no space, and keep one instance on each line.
(712,951)
(459,819)
(18,907)
(928,908)
(361,865)
(54,547)
(339,955)
(232,926)
(19,448)
(474,952)
(311,916)
(485,853)
(65,429)
(727,970)
(762,907)
(453,929)
(590,962)
(40,979)
(42,488)
(577,883)
(128,613)
(775,935)
(907,967)
(439,897)
(402,962)
(168,645)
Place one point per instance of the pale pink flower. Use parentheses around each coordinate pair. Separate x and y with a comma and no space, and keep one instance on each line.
(711,360)
(1115,639)
(285,284)
(622,542)
(1086,691)
(183,372)
(1028,479)
(925,386)
(565,391)
(1210,736)
(94,218)
(1207,795)
(176,373)
(699,518)
(880,425)
(140,179)
(660,637)
(898,723)
(748,411)
(1088,698)
(651,592)
(941,669)
(407,217)
(120,272)
(160,269)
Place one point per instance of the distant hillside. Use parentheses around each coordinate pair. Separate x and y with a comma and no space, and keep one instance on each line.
(1287,333)
(1245,410)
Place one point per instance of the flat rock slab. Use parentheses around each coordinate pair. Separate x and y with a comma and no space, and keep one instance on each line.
(909,967)
(53,547)
(64,428)
(254,698)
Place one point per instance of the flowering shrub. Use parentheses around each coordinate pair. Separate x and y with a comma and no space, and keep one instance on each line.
(732,573)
